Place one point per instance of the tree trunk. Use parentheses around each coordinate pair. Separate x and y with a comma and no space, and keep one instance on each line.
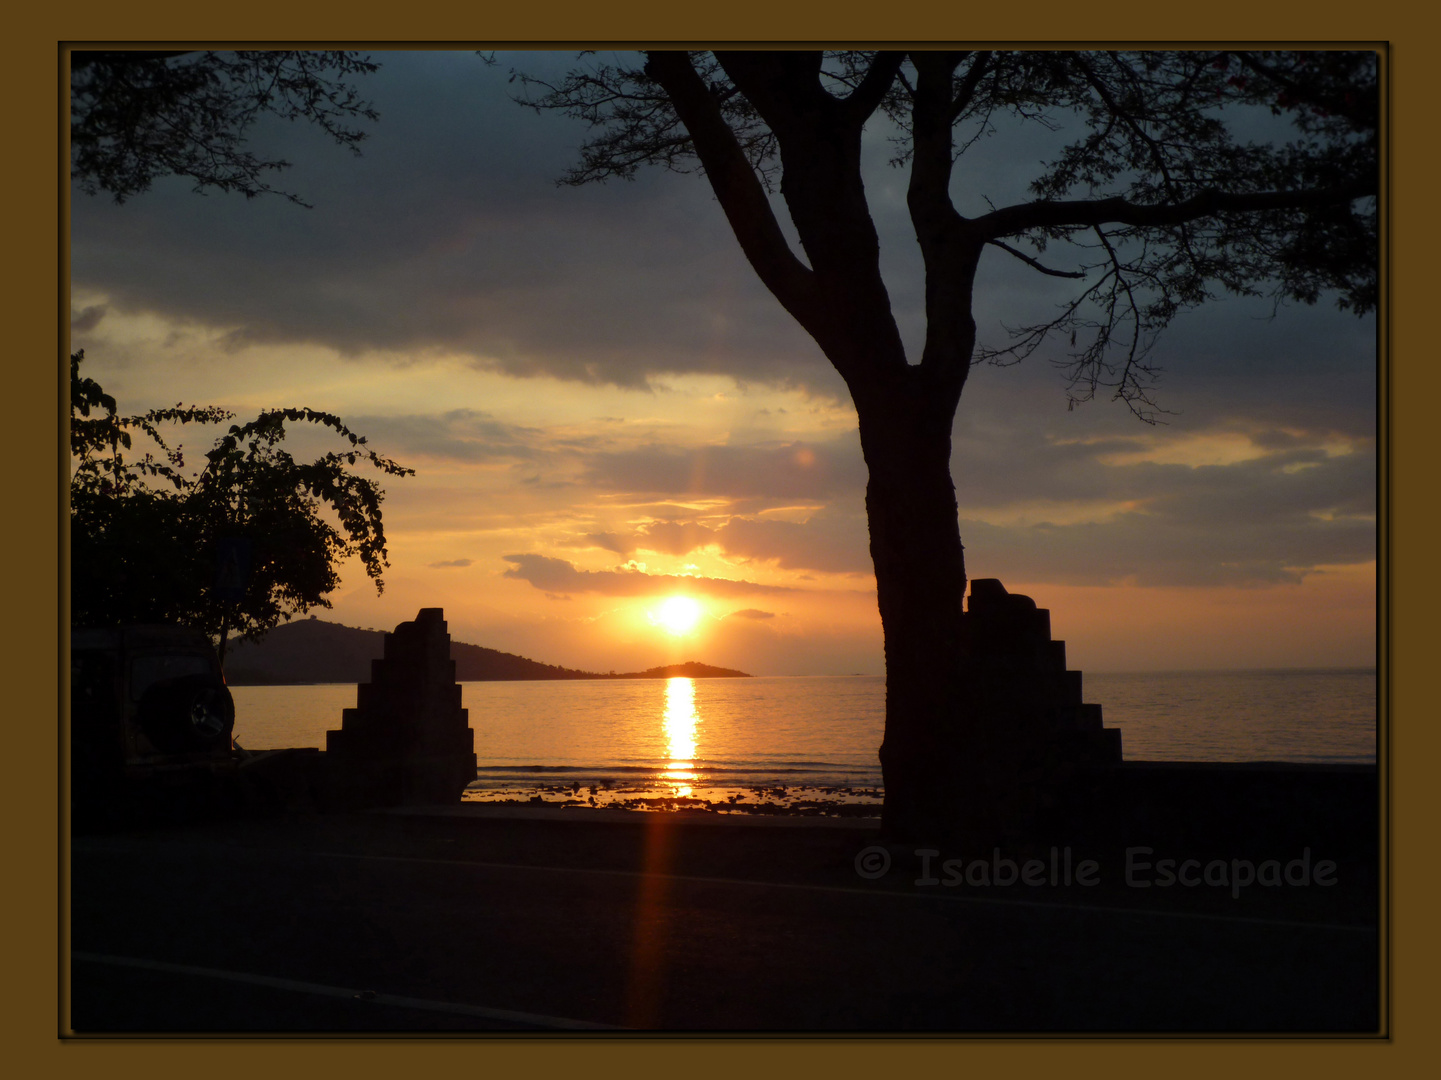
(905,412)
(920,582)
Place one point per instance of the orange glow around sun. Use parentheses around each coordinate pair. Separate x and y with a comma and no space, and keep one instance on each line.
(676,615)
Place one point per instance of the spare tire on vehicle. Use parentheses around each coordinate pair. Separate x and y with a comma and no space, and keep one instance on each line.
(188,714)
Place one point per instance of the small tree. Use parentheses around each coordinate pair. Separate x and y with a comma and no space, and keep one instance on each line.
(1154,208)
(146,536)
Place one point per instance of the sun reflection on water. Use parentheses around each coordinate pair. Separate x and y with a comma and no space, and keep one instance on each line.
(680,725)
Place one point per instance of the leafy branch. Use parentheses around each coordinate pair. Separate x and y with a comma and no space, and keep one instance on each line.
(142,552)
(136,116)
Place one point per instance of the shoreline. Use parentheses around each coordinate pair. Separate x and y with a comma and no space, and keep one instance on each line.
(667,795)
(834,801)
(569,812)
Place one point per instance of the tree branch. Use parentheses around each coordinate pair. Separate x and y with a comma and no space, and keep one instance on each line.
(879,77)
(736,185)
(1128,389)
(784,87)
(1045,214)
(950,256)
(968,85)
(1034,264)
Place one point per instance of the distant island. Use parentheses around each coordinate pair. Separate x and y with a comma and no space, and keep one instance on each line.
(313,651)
(691,669)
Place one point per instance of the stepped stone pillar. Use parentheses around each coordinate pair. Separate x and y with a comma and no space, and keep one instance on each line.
(1024,732)
(1016,673)
(407,741)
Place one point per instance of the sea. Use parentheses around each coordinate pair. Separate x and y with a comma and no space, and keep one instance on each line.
(809,744)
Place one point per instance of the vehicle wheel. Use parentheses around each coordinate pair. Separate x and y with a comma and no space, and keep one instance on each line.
(187,714)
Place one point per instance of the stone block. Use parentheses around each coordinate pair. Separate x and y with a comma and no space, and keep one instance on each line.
(408,739)
(1017,677)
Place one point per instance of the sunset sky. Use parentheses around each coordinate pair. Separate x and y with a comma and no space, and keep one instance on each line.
(605,409)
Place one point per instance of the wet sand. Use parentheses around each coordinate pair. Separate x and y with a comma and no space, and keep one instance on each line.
(725,799)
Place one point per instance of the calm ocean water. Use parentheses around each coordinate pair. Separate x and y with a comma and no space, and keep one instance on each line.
(786,741)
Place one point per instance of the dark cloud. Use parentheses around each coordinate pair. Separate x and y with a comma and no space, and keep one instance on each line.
(1289,507)
(835,543)
(1156,552)
(449,563)
(1251,523)
(1276,490)
(462,435)
(561,577)
(449,232)
(1232,360)
(606,541)
(674,537)
(787,471)
(1008,454)
(1269,518)
(87,319)
(751,613)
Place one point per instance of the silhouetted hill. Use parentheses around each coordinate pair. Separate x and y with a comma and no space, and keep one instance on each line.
(313,651)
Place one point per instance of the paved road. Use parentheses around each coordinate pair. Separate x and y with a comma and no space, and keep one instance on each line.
(415,923)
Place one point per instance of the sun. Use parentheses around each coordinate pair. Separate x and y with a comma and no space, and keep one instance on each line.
(677,615)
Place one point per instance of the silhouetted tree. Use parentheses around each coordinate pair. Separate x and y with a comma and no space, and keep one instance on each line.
(1152,210)
(146,534)
(136,116)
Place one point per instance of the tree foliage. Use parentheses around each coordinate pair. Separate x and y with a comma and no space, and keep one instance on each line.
(136,116)
(145,532)
(1156,207)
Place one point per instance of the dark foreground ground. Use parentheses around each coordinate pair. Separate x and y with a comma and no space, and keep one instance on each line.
(500,919)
